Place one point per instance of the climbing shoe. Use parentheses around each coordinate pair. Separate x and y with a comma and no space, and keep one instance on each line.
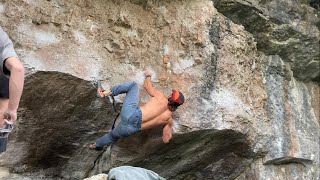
(94,147)
(100,90)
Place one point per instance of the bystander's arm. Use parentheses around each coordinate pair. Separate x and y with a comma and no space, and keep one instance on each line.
(16,83)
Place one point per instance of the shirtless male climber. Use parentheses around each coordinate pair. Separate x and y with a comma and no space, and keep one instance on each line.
(157,112)
(11,83)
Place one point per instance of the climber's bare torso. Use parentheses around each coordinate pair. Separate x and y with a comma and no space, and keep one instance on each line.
(155,112)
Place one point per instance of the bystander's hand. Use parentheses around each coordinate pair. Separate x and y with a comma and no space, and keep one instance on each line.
(10,116)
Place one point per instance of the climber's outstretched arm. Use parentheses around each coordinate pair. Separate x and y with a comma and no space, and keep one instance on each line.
(148,85)
(167,132)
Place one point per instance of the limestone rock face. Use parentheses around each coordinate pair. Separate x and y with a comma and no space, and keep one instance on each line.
(286,28)
(249,71)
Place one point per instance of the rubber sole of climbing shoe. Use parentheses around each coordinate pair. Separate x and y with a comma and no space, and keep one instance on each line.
(95,147)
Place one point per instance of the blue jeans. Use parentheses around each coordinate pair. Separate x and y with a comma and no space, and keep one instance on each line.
(131,115)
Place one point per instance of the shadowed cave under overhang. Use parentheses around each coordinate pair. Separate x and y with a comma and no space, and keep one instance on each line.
(60,115)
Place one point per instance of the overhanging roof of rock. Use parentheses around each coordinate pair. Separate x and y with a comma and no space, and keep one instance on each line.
(288,30)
